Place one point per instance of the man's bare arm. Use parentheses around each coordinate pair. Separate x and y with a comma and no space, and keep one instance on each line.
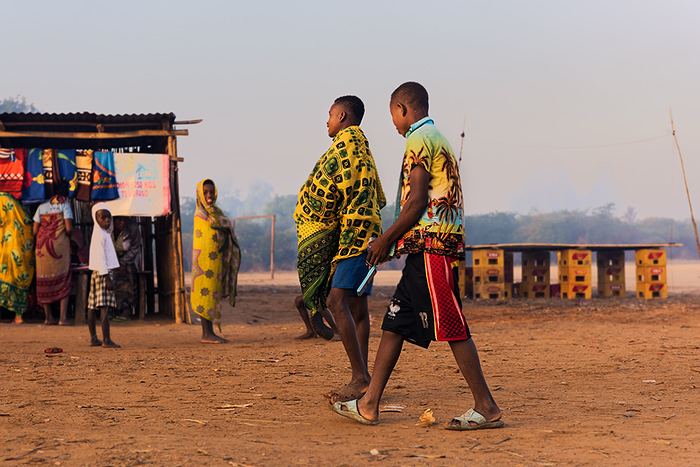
(412,210)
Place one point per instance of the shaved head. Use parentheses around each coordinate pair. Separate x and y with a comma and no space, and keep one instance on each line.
(353,106)
(412,95)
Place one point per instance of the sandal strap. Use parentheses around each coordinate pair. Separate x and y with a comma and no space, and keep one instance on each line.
(471,415)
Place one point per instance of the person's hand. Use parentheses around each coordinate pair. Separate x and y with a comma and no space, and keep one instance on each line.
(109,283)
(378,250)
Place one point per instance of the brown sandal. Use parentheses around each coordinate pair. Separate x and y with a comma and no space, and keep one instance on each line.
(345,394)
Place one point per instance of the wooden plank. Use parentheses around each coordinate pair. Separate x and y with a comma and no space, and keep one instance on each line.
(188,122)
(90,124)
(78,135)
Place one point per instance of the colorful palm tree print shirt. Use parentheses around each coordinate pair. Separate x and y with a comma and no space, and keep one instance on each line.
(440,229)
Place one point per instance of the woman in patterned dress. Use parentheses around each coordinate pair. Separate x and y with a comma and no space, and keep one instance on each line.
(53,227)
(215,261)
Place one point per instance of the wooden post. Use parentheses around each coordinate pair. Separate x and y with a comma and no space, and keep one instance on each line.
(272,239)
(81,296)
(143,286)
(178,241)
(177,274)
(272,249)
(692,216)
(147,228)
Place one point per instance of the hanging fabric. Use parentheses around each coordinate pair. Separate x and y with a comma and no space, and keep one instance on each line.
(67,169)
(51,173)
(104,179)
(34,191)
(83,163)
(12,170)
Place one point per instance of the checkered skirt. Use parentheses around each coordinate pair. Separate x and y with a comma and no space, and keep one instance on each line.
(99,295)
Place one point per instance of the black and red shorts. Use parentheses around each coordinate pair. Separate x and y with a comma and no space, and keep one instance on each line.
(426,305)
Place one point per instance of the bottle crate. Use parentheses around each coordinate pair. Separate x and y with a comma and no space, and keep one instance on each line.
(656,290)
(570,258)
(575,275)
(650,257)
(571,290)
(650,275)
(612,289)
(535,290)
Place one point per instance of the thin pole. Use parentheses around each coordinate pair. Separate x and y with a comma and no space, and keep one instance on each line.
(461,145)
(692,217)
(272,250)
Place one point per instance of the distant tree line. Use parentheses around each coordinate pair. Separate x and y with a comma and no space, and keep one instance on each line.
(17,104)
(599,225)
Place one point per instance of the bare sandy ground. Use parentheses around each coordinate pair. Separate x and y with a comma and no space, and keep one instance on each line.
(600,382)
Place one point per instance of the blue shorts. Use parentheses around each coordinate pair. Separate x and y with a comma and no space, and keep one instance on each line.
(350,273)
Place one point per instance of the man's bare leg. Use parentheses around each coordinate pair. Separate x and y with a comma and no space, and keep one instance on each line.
(338,304)
(106,340)
(360,314)
(304,313)
(467,358)
(387,355)
(94,341)
(208,335)
(49,314)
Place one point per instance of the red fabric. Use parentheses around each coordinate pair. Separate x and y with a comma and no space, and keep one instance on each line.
(450,324)
(12,170)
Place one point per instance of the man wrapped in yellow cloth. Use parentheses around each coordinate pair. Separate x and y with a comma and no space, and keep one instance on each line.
(337,213)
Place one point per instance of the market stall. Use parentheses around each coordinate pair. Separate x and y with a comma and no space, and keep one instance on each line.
(128,161)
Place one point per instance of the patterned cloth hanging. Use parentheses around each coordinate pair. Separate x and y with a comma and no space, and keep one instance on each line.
(12,170)
(51,173)
(67,170)
(83,163)
(104,179)
(34,191)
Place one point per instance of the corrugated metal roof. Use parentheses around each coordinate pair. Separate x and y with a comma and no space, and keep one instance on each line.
(85,117)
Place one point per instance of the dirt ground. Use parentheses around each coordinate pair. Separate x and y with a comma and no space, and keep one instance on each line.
(595,382)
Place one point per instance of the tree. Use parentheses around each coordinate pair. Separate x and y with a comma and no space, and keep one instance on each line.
(17,104)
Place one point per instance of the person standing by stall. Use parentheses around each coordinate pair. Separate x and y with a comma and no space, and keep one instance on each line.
(53,227)
(127,243)
(216,258)
(16,255)
(103,262)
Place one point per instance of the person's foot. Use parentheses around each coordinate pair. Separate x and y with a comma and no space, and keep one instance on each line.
(473,420)
(346,393)
(351,410)
(50,323)
(309,334)
(110,344)
(367,412)
(214,339)
(65,323)
(95,342)
(18,319)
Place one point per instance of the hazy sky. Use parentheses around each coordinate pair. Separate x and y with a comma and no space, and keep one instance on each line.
(539,81)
